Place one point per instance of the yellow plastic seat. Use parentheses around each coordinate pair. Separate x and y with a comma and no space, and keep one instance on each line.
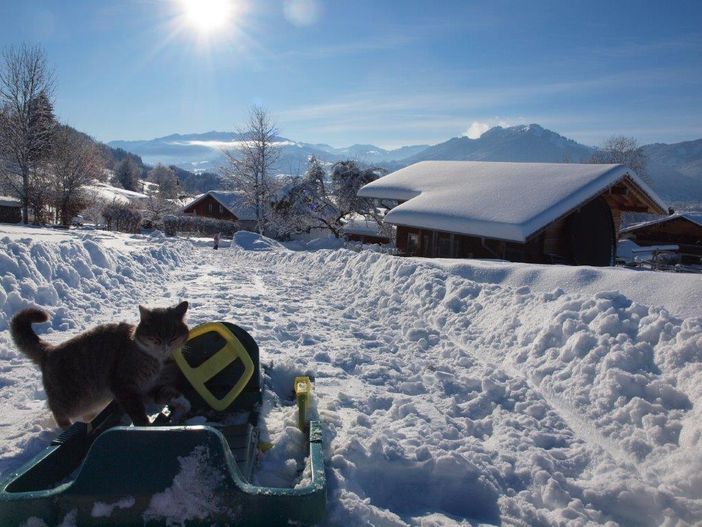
(199,375)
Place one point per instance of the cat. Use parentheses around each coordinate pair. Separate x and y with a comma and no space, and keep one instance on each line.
(111,361)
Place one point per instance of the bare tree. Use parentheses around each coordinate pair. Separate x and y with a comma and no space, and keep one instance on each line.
(26,92)
(75,162)
(249,168)
(311,202)
(623,150)
(157,206)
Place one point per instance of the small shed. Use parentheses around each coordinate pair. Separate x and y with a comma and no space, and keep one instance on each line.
(223,205)
(358,228)
(524,212)
(682,229)
(10,210)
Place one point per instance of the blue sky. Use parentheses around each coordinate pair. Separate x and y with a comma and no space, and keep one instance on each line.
(385,72)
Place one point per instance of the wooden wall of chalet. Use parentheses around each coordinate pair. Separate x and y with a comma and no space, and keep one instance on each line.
(584,237)
(210,208)
(10,214)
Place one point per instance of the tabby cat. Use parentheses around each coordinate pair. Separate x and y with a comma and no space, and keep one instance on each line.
(111,361)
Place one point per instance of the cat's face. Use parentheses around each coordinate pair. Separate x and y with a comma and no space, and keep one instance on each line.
(161,331)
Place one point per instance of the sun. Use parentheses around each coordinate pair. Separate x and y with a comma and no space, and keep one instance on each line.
(207,16)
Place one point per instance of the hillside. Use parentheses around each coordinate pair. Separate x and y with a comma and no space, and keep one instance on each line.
(677,169)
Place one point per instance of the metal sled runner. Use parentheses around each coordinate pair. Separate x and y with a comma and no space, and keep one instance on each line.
(102,473)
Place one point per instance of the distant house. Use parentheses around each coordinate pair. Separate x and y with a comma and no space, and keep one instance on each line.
(358,228)
(524,212)
(10,210)
(223,205)
(681,229)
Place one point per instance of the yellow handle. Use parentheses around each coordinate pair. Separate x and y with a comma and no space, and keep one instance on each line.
(231,351)
(303,393)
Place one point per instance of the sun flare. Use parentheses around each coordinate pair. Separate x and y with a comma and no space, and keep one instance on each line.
(207,15)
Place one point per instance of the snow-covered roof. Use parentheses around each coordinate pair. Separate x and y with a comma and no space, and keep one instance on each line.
(362,226)
(508,201)
(693,218)
(233,201)
(8,201)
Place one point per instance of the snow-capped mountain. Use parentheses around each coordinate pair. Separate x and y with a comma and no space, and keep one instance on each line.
(675,170)
(523,143)
(204,151)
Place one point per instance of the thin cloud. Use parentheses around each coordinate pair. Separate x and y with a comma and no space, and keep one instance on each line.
(349,48)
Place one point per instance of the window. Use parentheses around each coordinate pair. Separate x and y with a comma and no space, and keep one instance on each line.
(444,245)
(412,242)
(221,209)
(209,207)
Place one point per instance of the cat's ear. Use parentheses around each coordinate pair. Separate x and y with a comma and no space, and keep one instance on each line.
(144,312)
(181,308)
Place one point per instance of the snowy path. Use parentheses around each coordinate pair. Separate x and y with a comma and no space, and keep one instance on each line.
(445,400)
(434,391)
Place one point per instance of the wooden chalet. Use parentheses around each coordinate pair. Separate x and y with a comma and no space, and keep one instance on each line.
(523,212)
(10,210)
(223,205)
(681,229)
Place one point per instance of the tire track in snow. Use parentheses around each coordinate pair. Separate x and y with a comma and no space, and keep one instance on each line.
(582,427)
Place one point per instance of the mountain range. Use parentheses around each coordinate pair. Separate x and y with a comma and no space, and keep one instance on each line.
(674,170)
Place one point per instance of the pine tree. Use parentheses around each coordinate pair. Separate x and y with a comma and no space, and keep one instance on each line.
(166,180)
(127,174)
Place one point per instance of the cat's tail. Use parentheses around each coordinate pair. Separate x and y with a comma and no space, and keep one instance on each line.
(22,333)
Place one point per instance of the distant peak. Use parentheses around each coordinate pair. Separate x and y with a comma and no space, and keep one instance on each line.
(533,127)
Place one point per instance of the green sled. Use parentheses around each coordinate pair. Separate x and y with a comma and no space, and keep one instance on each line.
(102,473)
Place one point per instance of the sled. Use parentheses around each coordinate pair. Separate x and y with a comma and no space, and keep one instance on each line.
(103,473)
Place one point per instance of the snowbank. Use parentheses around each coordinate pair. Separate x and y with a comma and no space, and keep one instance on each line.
(76,277)
(253,242)
(453,391)
(81,278)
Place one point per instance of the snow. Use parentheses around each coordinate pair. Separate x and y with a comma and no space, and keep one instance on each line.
(108,194)
(8,201)
(104,510)
(253,242)
(359,224)
(69,520)
(193,494)
(508,201)
(450,392)
(693,218)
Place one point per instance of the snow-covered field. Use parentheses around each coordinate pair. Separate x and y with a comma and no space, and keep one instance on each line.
(451,393)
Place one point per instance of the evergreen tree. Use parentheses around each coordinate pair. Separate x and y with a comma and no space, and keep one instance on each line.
(127,174)
(166,180)
(315,174)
